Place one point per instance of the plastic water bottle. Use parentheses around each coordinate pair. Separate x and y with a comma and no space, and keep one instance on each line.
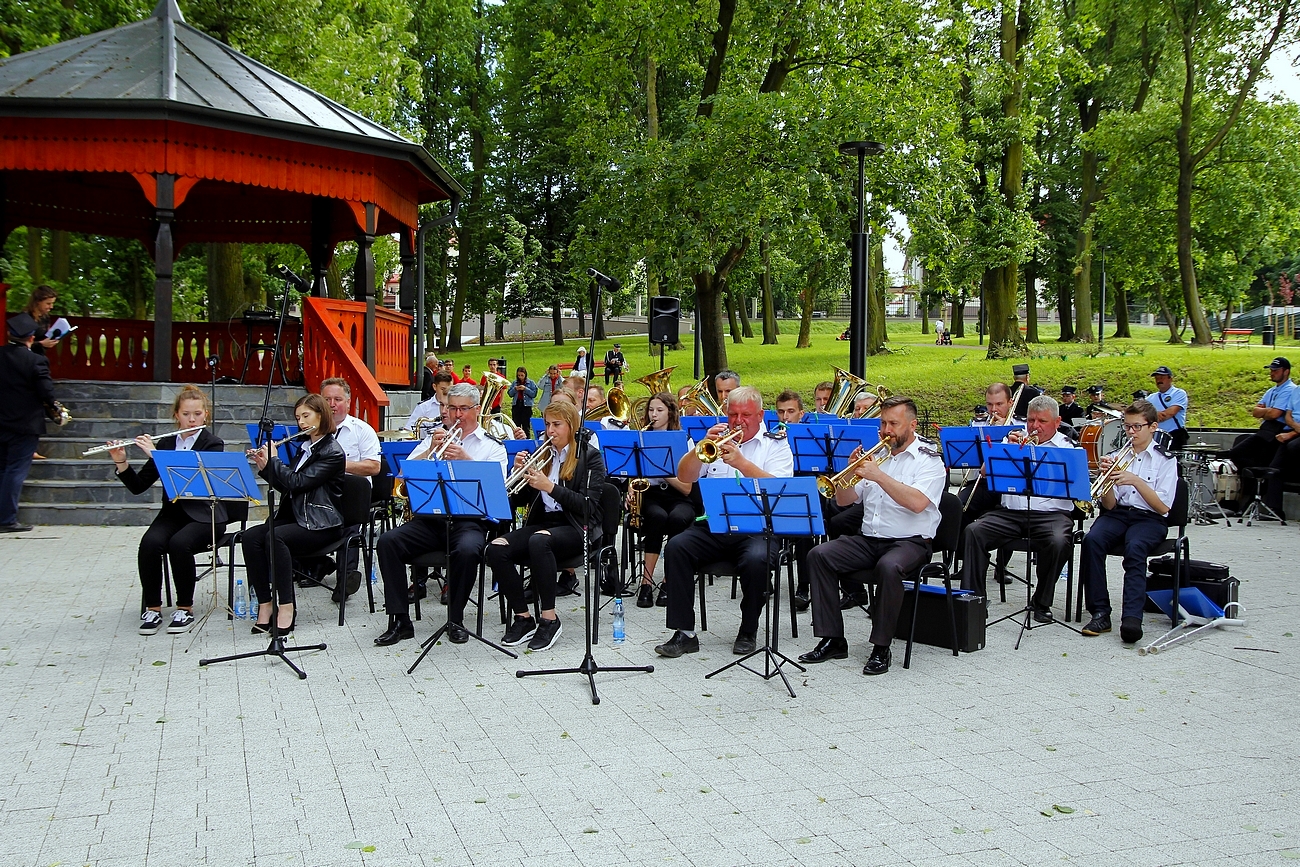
(374,574)
(620,630)
(252,603)
(241,600)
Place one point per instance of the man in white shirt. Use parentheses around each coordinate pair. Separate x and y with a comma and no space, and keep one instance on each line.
(358,440)
(1046,521)
(462,538)
(758,454)
(900,515)
(431,408)
(1135,517)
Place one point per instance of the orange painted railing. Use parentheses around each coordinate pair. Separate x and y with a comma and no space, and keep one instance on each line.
(392,336)
(118,350)
(328,351)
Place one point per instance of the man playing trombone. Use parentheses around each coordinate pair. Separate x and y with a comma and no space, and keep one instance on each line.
(1045,521)
(465,538)
(1136,500)
(899,487)
(741,447)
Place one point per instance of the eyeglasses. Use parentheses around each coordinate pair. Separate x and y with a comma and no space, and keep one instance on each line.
(1134,428)
(460,409)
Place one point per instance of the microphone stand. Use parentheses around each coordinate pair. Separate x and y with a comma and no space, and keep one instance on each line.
(265,429)
(581,437)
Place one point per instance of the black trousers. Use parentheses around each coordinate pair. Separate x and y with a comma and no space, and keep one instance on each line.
(539,551)
(1258,450)
(1049,535)
(1286,459)
(176,536)
(663,514)
(976,502)
(522,416)
(893,561)
(422,535)
(753,557)
(839,521)
(290,539)
(1136,532)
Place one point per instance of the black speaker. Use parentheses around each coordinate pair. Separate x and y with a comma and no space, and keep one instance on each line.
(665,316)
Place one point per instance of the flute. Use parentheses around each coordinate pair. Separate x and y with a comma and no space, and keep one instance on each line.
(278,443)
(121,444)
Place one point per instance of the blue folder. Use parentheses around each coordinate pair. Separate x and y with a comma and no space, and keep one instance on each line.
(1036,471)
(470,489)
(187,475)
(397,451)
(735,505)
(659,452)
(696,426)
(287,452)
(963,447)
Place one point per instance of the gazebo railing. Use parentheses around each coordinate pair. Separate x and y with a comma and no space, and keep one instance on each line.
(327,352)
(392,336)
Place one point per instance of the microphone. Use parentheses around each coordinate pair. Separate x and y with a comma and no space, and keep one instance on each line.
(608,282)
(286,274)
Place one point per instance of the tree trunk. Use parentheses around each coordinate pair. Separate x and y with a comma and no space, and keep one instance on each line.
(557,321)
(1121,311)
(1003,283)
(499,328)
(1064,305)
(482,328)
(1031,300)
(226,292)
(1088,114)
(35,259)
(877,325)
(582,317)
(708,298)
(957,327)
(60,255)
(466,234)
(1174,336)
(1227,316)
(732,322)
(765,284)
(742,307)
(334,280)
(808,298)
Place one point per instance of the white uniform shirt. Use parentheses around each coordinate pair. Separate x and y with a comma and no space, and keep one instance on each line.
(303,454)
(554,475)
(431,408)
(770,454)
(478,445)
(917,466)
(358,440)
(186,443)
(1158,470)
(1017,503)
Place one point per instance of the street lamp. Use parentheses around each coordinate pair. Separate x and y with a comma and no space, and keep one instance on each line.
(858,261)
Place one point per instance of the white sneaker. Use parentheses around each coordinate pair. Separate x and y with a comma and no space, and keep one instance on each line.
(150,622)
(182,620)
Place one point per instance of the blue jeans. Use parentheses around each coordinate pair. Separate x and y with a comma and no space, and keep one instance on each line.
(1137,531)
(15,460)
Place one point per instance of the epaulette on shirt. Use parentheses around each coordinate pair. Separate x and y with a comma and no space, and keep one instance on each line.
(778,434)
(927,447)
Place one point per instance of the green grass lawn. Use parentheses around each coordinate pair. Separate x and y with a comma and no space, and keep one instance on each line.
(1222,385)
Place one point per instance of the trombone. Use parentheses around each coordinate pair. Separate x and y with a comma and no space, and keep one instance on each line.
(518,478)
(121,444)
(880,452)
(709,451)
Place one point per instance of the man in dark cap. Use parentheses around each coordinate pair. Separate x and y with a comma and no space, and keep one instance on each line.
(1020,372)
(615,364)
(1171,405)
(1070,409)
(1259,449)
(25,390)
(1097,406)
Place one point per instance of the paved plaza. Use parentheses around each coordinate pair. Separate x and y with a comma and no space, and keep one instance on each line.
(117,749)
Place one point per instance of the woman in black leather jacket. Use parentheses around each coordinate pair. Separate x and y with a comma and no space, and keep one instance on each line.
(310,513)
(556,496)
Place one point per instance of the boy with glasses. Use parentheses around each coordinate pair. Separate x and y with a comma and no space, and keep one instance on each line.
(1134,516)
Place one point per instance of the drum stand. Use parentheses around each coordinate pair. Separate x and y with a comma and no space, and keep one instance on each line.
(1202,502)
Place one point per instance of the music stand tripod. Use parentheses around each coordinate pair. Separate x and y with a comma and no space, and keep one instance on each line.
(1046,473)
(479,494)
(211,477)
(773,507)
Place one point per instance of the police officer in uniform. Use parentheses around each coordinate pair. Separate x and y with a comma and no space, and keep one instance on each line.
(1135,512)
(900,515)
(1171,405)
(423,534)
(758,454)
(1046,521)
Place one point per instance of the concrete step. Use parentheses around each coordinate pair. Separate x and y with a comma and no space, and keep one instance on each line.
(123,515)
(110,492)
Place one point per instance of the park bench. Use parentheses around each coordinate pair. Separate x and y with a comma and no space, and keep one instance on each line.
(1232,337)
(598,368)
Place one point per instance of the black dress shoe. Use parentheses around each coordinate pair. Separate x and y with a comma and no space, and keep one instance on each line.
(645,597)
(745,643)
(398,630)
(1042,614)
(260,628)
(457,634)
(878,663)
(827,648)
(801,600)
(661,600)
(679,644)
(853,600)
(416,591)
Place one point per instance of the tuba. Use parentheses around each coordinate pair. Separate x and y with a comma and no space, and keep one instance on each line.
(494,422)
(617,406)
(844,389)
(654,383)
(700,398)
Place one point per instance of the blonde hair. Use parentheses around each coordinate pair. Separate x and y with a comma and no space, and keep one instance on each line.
(568,413)
(192,392)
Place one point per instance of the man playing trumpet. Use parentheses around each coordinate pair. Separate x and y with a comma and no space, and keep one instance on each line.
(900,498)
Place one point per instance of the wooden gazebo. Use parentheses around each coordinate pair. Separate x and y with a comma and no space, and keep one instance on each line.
(156,131)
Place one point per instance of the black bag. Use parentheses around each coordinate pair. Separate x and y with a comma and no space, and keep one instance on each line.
(1193,570)
(932,626)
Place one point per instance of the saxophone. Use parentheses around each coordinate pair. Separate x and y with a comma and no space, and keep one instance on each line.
(635,491)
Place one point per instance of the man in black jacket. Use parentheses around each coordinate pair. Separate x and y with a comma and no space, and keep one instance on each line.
(25,390)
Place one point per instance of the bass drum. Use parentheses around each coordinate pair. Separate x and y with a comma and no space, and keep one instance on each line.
(1101,437)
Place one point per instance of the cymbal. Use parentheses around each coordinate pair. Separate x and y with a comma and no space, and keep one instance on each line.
(1202,448)
(396,435)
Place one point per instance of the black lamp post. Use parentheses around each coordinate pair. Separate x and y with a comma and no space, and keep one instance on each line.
(858,261)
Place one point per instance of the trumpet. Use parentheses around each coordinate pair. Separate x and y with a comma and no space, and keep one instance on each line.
(121,444)
(709,451)
(518,478)
(880,452)
(453,438)
(1105,483)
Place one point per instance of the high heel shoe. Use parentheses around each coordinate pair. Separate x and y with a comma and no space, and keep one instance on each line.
(261,628)
(288,630)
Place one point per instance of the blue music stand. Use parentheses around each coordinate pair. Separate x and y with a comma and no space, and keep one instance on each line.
(697,426)
(468,490)
(538,424)
(642,454)
(514,447)
(963,447)
(812,446)
(287,452)
(397,451)
(1036,471)
(774,507)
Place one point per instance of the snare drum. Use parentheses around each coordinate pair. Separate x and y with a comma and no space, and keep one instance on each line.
(1101,437)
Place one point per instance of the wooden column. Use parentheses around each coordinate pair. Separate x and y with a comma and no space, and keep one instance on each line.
(364,280)
(322,250)
(162,349)
(406,299)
